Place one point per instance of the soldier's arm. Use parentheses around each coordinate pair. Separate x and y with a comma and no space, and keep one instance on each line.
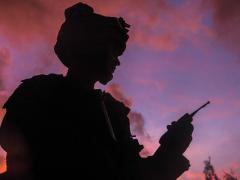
(152,167)
(168,161)
(13,129)
(14,143)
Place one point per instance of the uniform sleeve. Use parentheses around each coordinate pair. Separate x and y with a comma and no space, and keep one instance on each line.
(13,141)
(142,168)
(10,122)
(13,128)
(118,113)
(10,132)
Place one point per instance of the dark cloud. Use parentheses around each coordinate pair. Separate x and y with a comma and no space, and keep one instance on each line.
(226,10)
(137,124)
(226,16)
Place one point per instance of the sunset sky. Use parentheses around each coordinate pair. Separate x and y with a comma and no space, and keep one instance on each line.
(181,53)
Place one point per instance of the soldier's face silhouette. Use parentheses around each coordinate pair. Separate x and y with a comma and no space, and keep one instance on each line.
(98,66)
(109,63)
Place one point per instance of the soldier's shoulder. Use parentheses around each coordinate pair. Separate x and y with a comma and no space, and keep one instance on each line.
(115,105)
(43,78)
(34,89)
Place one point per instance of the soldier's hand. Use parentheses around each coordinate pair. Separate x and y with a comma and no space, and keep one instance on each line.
(182,164)
(186,117)
(179,135)
(171,125)
(188,127)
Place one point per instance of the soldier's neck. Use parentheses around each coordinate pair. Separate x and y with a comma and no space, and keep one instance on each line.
(80,80)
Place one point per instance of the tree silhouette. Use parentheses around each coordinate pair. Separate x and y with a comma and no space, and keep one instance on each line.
(211,175)
(209,170)
(229,176)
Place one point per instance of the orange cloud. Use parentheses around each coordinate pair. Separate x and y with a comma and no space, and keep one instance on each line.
(2,113)
(3,167)
(192,175)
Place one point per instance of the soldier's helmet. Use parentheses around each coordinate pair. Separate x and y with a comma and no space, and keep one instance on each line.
(85,33)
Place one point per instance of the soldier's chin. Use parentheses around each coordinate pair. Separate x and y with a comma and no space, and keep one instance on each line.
(104,80)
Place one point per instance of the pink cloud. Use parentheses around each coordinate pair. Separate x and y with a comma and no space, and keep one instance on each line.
(4,62)
(165,27)
(116,91)
(137,120)
(15,13)
(162,41)
(174,24)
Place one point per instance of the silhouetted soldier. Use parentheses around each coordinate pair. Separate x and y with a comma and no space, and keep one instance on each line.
(61,127)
